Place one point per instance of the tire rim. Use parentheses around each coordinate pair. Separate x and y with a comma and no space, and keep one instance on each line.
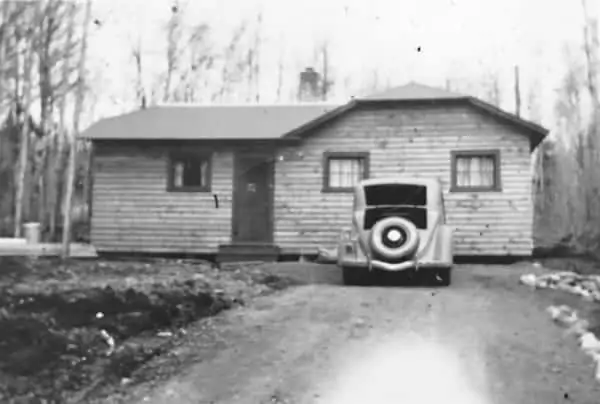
(394,238)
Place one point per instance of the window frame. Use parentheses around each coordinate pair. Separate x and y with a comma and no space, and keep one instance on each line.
(328,156)
(177,155)
(494,153)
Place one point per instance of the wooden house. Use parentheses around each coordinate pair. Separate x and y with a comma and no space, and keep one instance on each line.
(260,181)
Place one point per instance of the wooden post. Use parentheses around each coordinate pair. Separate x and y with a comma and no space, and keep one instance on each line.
(24,147)
(68,201)
(517,92)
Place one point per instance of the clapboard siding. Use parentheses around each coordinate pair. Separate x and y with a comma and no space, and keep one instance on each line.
(414,141)
(134,212)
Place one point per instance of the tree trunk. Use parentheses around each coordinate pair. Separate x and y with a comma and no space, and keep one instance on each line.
(279,78)
(24,147)
(325,80)
(591,48)
(57,171)
(517,92)
(73,146)
(172,50)
(3,38)
(4,25)
(140,90)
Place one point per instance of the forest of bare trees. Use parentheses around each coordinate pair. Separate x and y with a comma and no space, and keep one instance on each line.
(567,179)
(44,91)
(42,83)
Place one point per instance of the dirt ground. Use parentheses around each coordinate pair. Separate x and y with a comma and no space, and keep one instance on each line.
(485,340)
(71,330)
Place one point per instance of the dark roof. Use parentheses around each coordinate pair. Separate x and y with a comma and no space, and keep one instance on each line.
(207,122)
(418,93)
(255,122)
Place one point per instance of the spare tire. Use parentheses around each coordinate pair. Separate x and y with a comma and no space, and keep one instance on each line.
(394,238)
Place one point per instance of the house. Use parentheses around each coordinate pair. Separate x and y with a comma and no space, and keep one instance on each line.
(268,180)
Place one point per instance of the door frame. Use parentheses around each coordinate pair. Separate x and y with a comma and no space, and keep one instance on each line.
(268,157)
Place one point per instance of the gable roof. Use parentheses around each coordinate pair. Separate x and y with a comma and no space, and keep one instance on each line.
(180,122)
(414,93)
(261,122)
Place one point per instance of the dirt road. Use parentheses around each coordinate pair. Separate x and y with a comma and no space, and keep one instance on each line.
(483,340)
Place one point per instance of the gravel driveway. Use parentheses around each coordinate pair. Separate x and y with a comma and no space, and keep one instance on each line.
(486,339)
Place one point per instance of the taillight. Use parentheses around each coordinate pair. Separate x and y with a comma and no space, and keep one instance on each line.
(349,238)
(345,235)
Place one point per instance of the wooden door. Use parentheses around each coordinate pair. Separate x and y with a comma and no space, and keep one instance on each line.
(253,199)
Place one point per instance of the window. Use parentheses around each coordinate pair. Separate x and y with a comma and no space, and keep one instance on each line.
(476,170)
(189,172)
(342,171)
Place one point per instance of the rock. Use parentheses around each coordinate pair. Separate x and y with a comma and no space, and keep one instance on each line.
(528,280)
(588,287)
(589,343)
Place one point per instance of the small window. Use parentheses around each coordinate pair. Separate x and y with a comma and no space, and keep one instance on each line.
(476,170)
(189,172)
(342,171)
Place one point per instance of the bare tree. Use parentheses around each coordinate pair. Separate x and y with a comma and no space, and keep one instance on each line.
(280,70)
(4,14)
(562,192)
(327,82)
(4,35)
(29,65)
(56,171)
(233,65)
(590,46)
(51,82)
(173,48)
(493,94)
(517,92)
(73,146)
(253,62)
(195,77)
(533,101)
(140,91)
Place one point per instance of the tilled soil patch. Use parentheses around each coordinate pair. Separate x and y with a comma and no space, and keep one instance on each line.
(69,329)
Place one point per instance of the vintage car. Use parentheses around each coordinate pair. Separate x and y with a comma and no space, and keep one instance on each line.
(398,224)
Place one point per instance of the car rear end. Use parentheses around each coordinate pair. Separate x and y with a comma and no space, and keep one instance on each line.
(397,225)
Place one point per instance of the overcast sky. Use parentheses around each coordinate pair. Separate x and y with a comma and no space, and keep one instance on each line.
(456,38)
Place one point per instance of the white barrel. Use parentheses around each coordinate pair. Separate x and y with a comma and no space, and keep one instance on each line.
(32,232)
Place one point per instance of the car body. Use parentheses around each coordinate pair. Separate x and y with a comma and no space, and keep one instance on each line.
(398,224)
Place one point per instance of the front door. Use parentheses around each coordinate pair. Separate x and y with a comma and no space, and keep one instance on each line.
(253,199)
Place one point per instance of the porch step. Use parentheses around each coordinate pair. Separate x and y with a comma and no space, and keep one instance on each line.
(247,252)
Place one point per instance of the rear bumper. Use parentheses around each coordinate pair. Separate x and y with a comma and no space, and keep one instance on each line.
(394,267)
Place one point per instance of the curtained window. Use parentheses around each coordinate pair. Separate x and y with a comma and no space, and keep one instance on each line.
(189,172)
(342,171)
(475,170)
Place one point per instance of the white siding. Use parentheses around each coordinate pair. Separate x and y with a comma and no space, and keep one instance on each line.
(414,141)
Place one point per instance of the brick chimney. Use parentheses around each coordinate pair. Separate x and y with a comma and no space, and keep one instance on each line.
(308,89)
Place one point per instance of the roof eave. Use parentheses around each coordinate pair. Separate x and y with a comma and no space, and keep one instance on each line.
(194,140)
